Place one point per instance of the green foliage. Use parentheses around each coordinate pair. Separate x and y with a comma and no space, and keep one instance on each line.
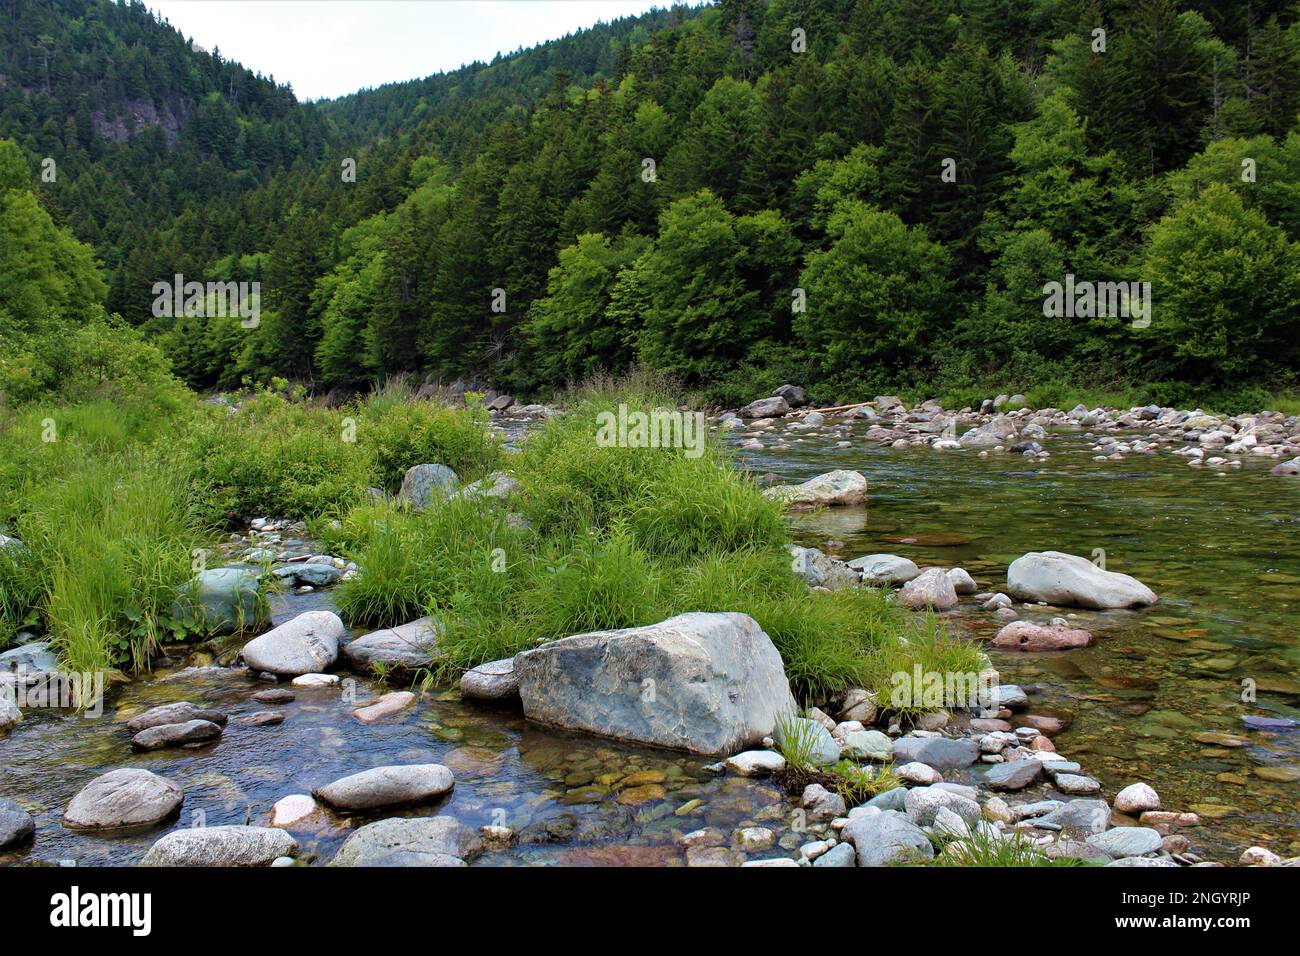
(568,328)
(1008,149)
(1227,291)
(617,537)
(710,286)
(875,294)
(858,783)
(273,458)
(983,848)
(290,459)
(110,544)
(399,432)
(797,742)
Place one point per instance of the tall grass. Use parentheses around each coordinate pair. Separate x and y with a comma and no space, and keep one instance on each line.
(289,459)
(111,542)
(619,537)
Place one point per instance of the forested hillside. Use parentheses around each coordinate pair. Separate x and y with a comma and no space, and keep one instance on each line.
(854,194)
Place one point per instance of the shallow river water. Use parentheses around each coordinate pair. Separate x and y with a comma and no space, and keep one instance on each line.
(1223,554)
(1220,552)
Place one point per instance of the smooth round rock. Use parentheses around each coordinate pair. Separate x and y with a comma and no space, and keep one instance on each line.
(1136,799)
(221,846)
(410,841)
(307,644)
(16,824)
(129,797)
(387,787)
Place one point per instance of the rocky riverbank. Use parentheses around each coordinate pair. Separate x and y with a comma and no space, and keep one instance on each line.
(1004,425)
(970,783)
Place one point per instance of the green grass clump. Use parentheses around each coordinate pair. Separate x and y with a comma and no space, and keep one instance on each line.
(398,432)
(290,459)
(413,560)
(981,848)
(111,542)
(858,783)
(796,741)
(272,458)
(618,537)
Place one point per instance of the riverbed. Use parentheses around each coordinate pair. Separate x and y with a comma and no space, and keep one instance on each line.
(1220,552)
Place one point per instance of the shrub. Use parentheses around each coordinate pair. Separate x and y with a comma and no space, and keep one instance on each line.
(273,457)
(398,433)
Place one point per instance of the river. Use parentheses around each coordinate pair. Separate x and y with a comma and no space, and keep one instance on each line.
(1220,552)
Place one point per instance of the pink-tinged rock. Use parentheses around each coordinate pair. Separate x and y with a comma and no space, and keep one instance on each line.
(1026,636)
(386,706)
(931,589)
(1047,726)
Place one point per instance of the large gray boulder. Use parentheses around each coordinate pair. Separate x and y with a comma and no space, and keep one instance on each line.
(710,683)
(1068,579)
(225,600)
(221,846)
(129,797)
(773,407)
(884,569)
(408,646)
(886,837)
(837,487)
(410,841)
(16,824)
(387,787)
(307,644)
(35,657)
(423,483)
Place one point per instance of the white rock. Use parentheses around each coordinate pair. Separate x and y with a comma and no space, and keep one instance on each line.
(1067,579)
(1137,798)
(753,763)
(292,809)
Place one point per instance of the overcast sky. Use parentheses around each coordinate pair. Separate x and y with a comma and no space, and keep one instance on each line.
(326,48)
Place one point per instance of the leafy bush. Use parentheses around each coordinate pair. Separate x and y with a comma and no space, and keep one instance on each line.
(399,433)
(273,458)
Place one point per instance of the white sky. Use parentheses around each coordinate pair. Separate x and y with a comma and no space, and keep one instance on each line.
(326,48)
